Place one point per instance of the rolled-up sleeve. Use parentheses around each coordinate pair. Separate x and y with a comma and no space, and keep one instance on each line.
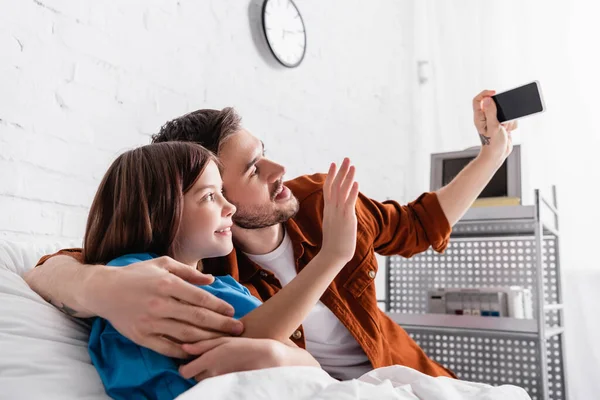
(405,230)
(75,253)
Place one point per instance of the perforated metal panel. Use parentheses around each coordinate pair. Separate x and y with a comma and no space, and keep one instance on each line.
(485,358)
(556,383)
(550,279)
(502,254)
(467,263)
(476,228)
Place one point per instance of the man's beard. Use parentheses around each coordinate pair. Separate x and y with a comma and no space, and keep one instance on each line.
(264,216)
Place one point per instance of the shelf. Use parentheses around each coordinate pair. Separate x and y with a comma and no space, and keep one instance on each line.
(503,240)
(466,322)
(499,213)
(501,221)
(553,307)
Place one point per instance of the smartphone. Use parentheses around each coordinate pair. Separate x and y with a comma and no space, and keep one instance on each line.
(519,102)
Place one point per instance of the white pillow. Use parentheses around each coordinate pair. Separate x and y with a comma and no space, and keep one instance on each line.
(43,352)
(20,257)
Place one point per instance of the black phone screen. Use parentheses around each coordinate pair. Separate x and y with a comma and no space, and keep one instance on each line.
(519,102)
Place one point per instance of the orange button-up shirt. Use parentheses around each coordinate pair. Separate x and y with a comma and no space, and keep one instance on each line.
(385,228)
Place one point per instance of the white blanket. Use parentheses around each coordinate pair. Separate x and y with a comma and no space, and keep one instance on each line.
(310,383)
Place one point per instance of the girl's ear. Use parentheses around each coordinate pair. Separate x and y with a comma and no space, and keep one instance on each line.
(199,267)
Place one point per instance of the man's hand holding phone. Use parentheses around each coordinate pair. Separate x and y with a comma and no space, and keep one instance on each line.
(495,137)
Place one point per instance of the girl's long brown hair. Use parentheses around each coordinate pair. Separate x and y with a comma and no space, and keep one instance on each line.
(138,205)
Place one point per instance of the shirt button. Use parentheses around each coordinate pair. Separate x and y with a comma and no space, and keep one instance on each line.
(297,335)
(264,274)
(372,274)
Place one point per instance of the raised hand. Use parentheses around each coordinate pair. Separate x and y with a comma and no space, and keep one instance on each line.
(495,137)
(339,215)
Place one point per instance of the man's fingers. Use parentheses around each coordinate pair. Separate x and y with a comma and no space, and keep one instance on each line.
(196,296)
(478,99)
(478,113)
(201,318)
(165,347)
(185,272)
(183,332)
(479,116)
(489,108)
(510,126)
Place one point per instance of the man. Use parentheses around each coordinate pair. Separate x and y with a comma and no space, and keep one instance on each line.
(277,231)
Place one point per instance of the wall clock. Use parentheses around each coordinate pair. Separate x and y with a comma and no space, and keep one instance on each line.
(285,32)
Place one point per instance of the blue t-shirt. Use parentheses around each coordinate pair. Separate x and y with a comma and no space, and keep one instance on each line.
(129,371)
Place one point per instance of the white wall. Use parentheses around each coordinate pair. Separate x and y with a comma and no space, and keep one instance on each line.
(83,81)
(473,45)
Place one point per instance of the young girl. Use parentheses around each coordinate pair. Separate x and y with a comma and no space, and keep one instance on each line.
(166,199)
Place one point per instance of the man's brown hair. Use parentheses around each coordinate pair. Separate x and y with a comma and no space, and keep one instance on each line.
(209,128)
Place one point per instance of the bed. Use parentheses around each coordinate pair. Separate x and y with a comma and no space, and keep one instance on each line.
(44,355)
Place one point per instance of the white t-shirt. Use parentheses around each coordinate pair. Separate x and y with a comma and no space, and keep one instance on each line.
(327,339)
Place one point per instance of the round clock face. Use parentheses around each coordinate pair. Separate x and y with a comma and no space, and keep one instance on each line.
(284,30)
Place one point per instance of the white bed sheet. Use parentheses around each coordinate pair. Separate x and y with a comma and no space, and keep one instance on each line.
(310,383)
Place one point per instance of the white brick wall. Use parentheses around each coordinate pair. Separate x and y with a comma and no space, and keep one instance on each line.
(82,81)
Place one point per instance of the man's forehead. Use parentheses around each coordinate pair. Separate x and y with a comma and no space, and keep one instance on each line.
(241,141)
(240,149)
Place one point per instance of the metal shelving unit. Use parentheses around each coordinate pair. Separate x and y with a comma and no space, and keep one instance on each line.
(491,247)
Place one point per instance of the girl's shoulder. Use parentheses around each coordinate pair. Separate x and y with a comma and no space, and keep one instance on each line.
(128,259)
(227,280)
